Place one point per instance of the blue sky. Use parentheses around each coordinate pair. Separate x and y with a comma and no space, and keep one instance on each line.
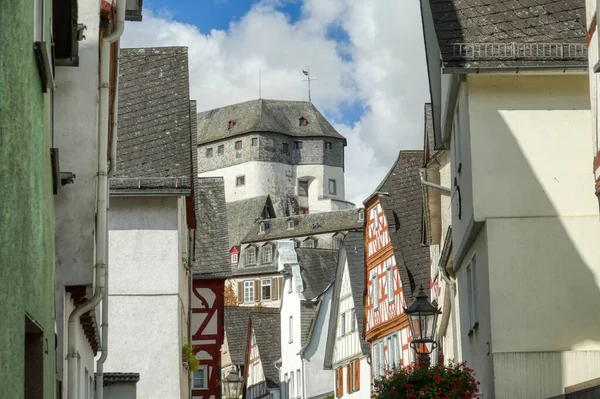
(218,14)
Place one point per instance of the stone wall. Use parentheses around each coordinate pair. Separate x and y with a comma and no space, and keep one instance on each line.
(269,147)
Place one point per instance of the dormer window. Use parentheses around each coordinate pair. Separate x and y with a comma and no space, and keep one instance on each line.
(291,224)
(233,258)
(361,215)
(251,255)
(302,121)
(310,243)
(262,227)
(267,253)
(230,124)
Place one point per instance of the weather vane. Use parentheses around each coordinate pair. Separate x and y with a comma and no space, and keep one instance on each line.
(308,79)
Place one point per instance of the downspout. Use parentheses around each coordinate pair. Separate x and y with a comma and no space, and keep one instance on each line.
(102,169)
(444,190)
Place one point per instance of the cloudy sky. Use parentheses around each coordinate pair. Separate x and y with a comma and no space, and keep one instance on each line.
(367,56)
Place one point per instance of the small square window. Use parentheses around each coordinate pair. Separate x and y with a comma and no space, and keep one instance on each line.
(328,145)
(238,145)
(209,152)
(290,224)
(332,187)
(240,181)
(221,149)
(297,145)
(254,141)
(286,148)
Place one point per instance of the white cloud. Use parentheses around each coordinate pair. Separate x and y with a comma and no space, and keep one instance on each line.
(386,70)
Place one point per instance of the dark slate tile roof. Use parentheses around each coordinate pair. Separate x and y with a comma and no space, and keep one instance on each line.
(241,216)
(267,329)
(154,128)
(352,251)
(264,116)
(405,204)
(465,27)
(317,268)
(306,225)
(120,378)
(212,246)
(308,315)
(236,319)
(429,147)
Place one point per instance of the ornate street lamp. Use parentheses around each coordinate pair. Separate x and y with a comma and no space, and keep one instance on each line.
(233,384)
(422,317)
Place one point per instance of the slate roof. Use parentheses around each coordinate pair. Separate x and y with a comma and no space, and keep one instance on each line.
(317,269)
(120,378)
(306,225)
(308,315)
(267,330)
(212,246)
(559,24)
(352,251)
(241,216)
(154,129)
(405,205)
(264,116)
(429,147)
(235,319)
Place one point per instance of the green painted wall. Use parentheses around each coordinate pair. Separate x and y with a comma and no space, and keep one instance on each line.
(26,200)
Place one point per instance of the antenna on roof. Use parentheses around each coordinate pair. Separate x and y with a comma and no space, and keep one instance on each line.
(308,79)
(259,84)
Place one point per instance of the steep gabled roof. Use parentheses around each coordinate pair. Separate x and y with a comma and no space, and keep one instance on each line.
(306,225)
(267,328)
(242,214)
(262,115)
(515,33)
(317,268)
(403,208)
(154,129)
(428,136)
(211,244)
(236,319)
(352,252)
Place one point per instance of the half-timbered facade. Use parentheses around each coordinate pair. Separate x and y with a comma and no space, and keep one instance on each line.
(210,269)
(347,352)
(261,377)
(396,262)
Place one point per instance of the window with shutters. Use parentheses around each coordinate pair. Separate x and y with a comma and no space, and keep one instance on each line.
(248,291)
(266,289)
(351,377)
(378,363)
(356,375)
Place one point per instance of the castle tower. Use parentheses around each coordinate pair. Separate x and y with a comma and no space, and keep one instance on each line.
(284,149)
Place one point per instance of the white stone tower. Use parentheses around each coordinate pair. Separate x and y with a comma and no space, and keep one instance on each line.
(285,149)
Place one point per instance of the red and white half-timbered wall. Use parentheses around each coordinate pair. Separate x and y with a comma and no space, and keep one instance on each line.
(207,333)
(386,327)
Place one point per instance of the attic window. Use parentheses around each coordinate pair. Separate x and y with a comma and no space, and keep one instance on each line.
(310,243)
(361,215)
(230,124)
(262,227)
(302,121)
(233,258)
(290,224)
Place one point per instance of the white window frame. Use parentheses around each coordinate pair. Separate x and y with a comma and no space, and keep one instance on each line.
(334,191)
(343,324)
(292,386)
(290,224)
(249,288)
(262,227)
(266,283)
(268,249)
(234,259)
(251,250)
(254,141)
(374,290)
(361,215)
(298,384)
(393,353)
(471,272)
(389,282)
(378,359)
(39,14)
(291,329)
(352,320)
(204,370)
